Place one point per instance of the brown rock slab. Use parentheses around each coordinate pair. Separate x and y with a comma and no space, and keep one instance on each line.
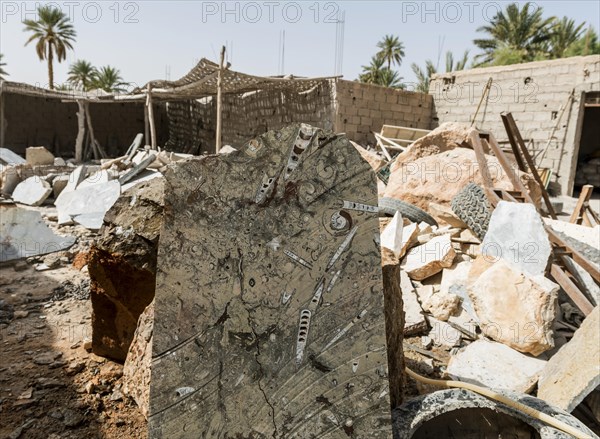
(430,258)
(445,214)
(269,309)
(513,308)
(38,155)
(136,371)
(122,267)
(574,371)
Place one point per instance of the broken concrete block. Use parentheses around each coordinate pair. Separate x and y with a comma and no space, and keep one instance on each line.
(428,259)
(442,306)
(495,365)
(24,233)
(122,267)
(513,308)
(574,371)
(445,214)
(88,205)
(136,371)
(443,334)
(414,319)
(10,158)
(587,235)
(59,184)
(32,191)
(260,310)
(76,177)
(391,237)
(38,155)
(516,234)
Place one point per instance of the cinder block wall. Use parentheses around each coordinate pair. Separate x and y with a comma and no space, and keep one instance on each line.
(533,93)
(49,122)
(364,108)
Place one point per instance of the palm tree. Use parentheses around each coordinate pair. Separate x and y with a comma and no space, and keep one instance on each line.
(586,45)
(391,50)
(2,64)
(82,74)
(54,34)
(109,79)
(460,64)
(390,78)
(372,73)
(565,34)
(518,28)
(423,75)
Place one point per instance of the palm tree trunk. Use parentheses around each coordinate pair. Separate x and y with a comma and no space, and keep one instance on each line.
(50,68)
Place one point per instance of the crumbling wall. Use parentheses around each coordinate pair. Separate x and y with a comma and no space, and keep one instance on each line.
(192,124)
(534,93)
(41,121)
(364,108)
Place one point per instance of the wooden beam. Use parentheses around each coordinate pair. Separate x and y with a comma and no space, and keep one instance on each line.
(80,132)
(584,197)
(588,266)
(514,131)
(2,124)
(571,289)
(513,143)
(219,101)
(146,125)
(488,183)
(96,148)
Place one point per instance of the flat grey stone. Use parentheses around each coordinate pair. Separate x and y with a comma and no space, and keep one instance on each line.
(23,233)
(32,191)
(516,234)
(87,205)
(269,318)
(8,157)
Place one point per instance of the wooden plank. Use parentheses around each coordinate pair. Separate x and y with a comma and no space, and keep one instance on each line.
(150,107)
(532,168)
(219,102)
(571,289)
(513,143)
(392,145)
(383,148)
(584,197)
(80,132)
(588,266)
(483,168)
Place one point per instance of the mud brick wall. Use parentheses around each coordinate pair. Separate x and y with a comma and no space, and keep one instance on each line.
(40,121)
(364,108)
(533,93)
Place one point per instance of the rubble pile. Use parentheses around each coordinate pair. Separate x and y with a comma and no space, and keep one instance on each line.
(263,276)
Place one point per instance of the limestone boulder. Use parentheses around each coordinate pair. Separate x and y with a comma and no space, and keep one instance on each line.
(430,258)
(513,308)
(122,267)
(438,178)
(442,306)
(32,191)
(516,234)
(38,155)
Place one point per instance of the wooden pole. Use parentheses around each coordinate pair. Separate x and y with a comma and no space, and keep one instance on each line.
(151,117)
(2,124)
(146,126)
(219,103)
(80,132)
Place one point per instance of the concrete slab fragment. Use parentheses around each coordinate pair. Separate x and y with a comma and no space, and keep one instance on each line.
(269,318)
(391,237)
(88,204)
(574,371)
(497,366)
(24,233)
(32,191)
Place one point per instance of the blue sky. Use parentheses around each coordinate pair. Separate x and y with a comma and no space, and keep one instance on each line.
(145,39)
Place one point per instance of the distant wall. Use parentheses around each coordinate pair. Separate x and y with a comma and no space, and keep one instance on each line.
(534,93)
(364,108)
(192,124)
(50,122)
